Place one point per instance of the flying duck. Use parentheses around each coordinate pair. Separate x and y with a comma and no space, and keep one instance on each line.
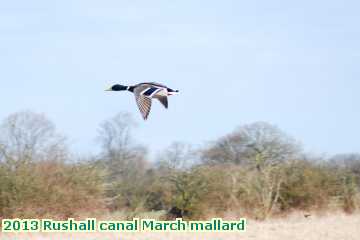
(144,92)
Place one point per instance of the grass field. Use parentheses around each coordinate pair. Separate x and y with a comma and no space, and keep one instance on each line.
(295,227)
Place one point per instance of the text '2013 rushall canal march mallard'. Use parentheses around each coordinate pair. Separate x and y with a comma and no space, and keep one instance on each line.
(135,225)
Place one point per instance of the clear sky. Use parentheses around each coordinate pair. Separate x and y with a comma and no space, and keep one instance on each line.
(291,63)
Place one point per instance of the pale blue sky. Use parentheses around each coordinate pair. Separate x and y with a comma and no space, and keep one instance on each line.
(293,64)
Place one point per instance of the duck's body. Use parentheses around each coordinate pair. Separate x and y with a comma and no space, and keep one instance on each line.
(144,92)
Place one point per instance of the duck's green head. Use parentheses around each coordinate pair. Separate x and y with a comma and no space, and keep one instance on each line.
(117,87)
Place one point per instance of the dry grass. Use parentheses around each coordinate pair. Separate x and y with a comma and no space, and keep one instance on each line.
(295,227)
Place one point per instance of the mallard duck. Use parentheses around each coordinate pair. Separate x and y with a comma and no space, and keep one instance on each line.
(144,92)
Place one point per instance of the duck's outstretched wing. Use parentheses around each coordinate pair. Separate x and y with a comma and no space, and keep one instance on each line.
(164,101)
(143,102)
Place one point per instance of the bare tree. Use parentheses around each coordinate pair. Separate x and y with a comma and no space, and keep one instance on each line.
(124,161)
(348,167)
(28,137)
(261,148)
(349,162)
(182,183)
(256,144)
(178,156)
(35,178)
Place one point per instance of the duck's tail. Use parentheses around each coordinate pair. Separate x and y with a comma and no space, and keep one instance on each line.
(173,92)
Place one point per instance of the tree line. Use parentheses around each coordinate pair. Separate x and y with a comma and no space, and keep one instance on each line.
(256,171)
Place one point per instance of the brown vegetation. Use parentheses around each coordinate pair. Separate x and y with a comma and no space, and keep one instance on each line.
(257,171)
(330,227)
